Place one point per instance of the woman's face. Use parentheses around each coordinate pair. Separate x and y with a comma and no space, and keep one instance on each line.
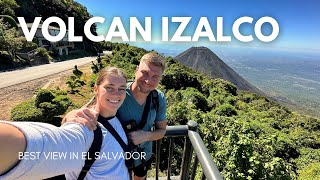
(110,95)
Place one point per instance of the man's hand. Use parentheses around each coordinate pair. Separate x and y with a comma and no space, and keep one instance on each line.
(85,116)
(138,137)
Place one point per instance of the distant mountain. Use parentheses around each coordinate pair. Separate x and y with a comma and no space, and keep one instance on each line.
(203,60)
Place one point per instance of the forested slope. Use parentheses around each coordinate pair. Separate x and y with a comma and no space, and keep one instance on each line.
(248,136)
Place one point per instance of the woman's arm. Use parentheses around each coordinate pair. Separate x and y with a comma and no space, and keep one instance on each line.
(44,150)
(12,141)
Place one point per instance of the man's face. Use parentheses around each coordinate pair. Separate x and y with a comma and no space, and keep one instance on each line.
(148,77)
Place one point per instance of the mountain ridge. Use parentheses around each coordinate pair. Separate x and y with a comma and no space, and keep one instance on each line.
(203,60)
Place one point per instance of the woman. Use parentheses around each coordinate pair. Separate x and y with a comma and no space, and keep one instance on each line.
(32,150)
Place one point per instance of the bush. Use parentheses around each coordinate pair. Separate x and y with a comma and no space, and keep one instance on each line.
(44,95)
(9,20)
(177,79)
(43,108)
(5,59)
(311,172)
(62,103)
(247,97)
(42,52)
(74,82)
(285,148)
(219,86)
(308,156)
(77,72)
(226,110)
(26,111)
(193,96)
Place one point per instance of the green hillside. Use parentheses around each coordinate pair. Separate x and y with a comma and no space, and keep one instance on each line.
(248,136)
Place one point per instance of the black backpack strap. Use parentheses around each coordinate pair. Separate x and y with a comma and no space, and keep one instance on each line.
(114,133)
(155,99)
(145,113)
(95,147)
(60,177)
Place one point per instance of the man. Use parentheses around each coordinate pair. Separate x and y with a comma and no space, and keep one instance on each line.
(147,77)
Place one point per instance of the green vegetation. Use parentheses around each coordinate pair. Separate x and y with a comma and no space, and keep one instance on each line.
(248,136)
(12,42)
(44,108)
(7,7)
(8,19)
(29,9)
(75,80)
(44,53)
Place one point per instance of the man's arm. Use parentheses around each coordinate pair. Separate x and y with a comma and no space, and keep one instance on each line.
(12,141)
(85,116)
(140,136)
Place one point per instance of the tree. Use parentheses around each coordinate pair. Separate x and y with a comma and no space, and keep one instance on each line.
(7,7)
(73,82)
(9,20)
(10,40)
(29,9)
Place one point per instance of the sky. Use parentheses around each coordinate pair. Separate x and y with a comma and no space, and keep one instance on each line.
(299,21)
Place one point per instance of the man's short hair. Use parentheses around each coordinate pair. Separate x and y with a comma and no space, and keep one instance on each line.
(154,59)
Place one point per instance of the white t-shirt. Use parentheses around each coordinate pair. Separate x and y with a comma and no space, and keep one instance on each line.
(52,151)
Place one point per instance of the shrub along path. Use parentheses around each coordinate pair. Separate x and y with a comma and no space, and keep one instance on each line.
(13,95)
